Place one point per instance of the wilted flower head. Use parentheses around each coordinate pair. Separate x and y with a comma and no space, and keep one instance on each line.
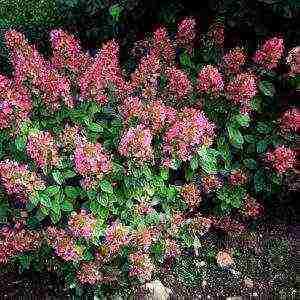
(224,259)
(216,34)
(42,148)
(186,34)
(211,182)
(136,143)
(234,60)
(293,60)
(70,136)
(210,80)
(270,53)
(281,159)
(191,195)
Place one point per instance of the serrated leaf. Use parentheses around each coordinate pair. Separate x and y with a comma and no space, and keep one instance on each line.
(106,186)
(243,120)
(58,177)
(52,190)
(164,174)
(95,127)
(45,200)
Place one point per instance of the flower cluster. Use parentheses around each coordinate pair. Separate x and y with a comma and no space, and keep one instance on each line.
(145,237)
(201,225)
(15,241)
(290,120)
(178,83)
(237,177)
(186,34)
(64,245)
(89,273)
(293,60)
(91,159)
(172,249)
(242,89)
(136,143)
(70,137)
(116,237)
(191,195)
(210,183)
(82,224)
(234,60)
(216,34)
(190,130)
(42,148)
(210,80)
(251,208)
(224,259)
(281,159)
(18,179)
(144,208)
(141,265)
(270,53)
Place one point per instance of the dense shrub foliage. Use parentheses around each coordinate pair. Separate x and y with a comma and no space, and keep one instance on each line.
(106,175)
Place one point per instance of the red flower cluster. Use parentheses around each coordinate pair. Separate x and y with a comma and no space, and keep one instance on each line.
(136,143)
(15,241)
(270,53)
(42,148)
(141,265)
(18,179)
(290,120)
(281,159)
(190,130)
(237,177)
(251,208)
(186,34)
(216,34)
(91,159)
(210,80)
(82,224)
(211,182)
(191,195)
(234,60)
(64,245)
(89,273)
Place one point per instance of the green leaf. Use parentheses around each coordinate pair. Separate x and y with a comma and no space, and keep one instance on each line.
(95,127)
(208,159)
(69,174)
(106,186)
(242,120)
(55,216)
(45,200)
(263,127)
(256,103)
(261,146)
(250,164)
(267,88)
(58,177)
(66,206)
(194,163)
(185,60)
(20,143)
(164,174)
(259,180)
(72,192)
(250,138)
(52,190)
(235,137)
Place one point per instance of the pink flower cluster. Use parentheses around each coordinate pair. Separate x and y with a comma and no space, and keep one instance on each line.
(136,143)
(145,237)
(293,60)
(164,46)
(28,63)
(89,273)
(281,159)
(211,182)
(67,52)
(251,208)
(242,89)
(70,137)
(216,34)
(191,195)
(186,34)
(132,107)
(18,179)
(210,80)
(290,120)
(190,130)
(270,53)
(15,241)
(234,60)
(64,245)
(237,177)
(116,237)
(179,84)
(82,224)
(141,265)
(91,159)
(42,148)
(172,249)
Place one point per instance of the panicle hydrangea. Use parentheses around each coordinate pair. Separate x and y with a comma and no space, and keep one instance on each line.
(172,249)
(164,46)
(42,148)
(270,53)
(242,89)
(177,220)
(67,52)
(290,120)
(145,237)
(156,115)
(234,60)
(91,159)
(117,235)
(82,224)
(147,73)
(70,137)
(28,63)
(281,159)
(131,107)
(89,272)
(211,182)
(64,245)
(141,265)
(179,84)
(293,60)
(190,130)
(191,195)
(210,80)
(102,73)
(216,34)
(186,34)
(237,177)
(230,226)
(201,225)
(15,241)
(224,259)
(251,208)
(18,179)
(136,143)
